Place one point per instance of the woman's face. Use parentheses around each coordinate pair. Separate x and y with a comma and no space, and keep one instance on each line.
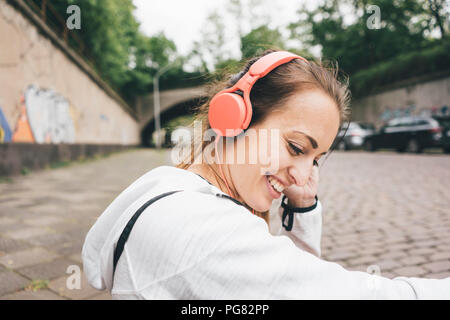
(304,129)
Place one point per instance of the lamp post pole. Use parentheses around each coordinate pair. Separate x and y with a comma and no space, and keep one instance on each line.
(156,100)
(156,109)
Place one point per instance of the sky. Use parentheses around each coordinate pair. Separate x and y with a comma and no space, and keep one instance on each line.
(182,20)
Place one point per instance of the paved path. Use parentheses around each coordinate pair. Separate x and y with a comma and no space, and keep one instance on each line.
(45,216)
(381,210)
(387,209)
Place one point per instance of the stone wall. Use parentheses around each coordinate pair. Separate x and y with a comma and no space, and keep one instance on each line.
(414,97)
(48,94)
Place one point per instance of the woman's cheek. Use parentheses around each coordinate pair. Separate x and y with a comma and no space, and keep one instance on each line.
(269,157)
(284,157)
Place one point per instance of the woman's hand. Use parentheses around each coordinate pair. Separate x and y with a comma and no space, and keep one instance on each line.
(302,197)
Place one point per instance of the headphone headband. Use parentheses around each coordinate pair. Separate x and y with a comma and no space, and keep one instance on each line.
(270,61)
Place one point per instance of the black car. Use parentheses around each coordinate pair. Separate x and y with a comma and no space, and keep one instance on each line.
(410,134)
(444,122)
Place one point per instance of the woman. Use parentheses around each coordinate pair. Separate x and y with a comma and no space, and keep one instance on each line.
(200,231)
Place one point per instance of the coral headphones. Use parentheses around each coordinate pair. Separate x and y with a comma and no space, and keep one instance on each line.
(229,114)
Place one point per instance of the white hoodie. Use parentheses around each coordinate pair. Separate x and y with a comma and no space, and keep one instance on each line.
(197,245)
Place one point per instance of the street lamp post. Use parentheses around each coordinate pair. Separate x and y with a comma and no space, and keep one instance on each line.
(156,100)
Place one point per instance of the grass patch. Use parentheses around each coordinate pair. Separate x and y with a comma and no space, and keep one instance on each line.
(37,285)
(5,180)
(63,164)
(59,164)
(25,171)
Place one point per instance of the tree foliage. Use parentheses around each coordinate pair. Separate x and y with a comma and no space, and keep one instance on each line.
(405,26)
(124,57)
(128,59)
(210,50)
(260,39)
(374,57)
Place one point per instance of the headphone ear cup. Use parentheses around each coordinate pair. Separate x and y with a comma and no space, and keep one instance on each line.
(226,114)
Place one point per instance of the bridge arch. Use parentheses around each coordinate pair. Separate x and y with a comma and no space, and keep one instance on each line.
(173,103)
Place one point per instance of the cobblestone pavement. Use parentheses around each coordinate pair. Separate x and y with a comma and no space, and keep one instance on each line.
(44,218)
(381,210)
(387,210)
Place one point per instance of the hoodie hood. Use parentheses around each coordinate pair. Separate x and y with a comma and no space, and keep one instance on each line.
(100,242)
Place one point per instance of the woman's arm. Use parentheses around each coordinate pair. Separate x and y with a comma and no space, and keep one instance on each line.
(303,228)
(252,264)
(227,253)
(239,259)
(301,214)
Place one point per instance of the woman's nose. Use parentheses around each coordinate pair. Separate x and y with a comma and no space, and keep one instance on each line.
(299,173)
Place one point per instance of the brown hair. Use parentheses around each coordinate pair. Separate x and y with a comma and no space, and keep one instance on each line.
(271,91)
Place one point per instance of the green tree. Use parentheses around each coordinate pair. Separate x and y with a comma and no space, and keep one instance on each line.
(260,39)
(123,56)
(439,15)
(211,49)
(356,47)
(109,31)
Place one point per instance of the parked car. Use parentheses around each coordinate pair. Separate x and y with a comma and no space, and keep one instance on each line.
(355,136)
(444,122)
(410,134)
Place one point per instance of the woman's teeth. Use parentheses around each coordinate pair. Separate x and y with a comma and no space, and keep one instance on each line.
(275,184)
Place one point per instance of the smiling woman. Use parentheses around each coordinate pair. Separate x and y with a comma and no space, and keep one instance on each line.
(304,104)
(188,232)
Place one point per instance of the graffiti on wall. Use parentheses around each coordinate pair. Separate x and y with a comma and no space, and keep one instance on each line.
(48,116)
(22,132)
(411,110)
(75,115)
(5,131)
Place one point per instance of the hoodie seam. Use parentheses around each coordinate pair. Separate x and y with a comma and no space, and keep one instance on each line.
(130,268)
(404,279)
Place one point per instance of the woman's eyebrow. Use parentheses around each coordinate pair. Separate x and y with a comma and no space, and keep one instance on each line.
(312,140)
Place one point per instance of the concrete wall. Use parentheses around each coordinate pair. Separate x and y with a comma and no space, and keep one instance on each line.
(414,97)
(49,95)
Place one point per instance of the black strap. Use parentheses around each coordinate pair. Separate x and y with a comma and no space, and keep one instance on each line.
(289,212)
(126,231)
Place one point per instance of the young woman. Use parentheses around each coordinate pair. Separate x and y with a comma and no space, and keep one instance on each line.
(200,230)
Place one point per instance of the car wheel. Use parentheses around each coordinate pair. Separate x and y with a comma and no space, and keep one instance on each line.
(342,146)
(368,146)
(413,146)
(447,150)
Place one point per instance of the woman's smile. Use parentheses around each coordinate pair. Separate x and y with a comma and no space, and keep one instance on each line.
(274,187)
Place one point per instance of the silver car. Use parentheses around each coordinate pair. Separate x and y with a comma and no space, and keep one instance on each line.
(355,136)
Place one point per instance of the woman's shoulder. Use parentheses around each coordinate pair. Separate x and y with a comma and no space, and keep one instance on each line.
(200,203)
(189,201)
(191,191)
(197,212)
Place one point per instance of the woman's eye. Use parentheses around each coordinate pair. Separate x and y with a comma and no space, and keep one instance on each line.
(296,149)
